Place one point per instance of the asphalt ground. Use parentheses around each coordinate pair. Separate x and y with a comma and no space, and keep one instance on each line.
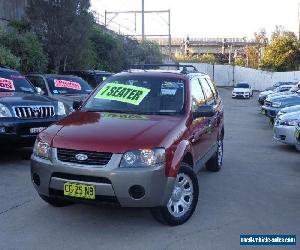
(256,192)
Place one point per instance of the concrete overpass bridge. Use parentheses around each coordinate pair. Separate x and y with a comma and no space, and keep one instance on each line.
(199,46)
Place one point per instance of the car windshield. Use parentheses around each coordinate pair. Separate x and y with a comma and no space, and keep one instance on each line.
(139,95)
(68,85)
(242,86)
(283,89)
(14,82)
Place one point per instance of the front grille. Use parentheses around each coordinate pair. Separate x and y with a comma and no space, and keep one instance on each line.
(93,158)
(84,178)
(239,93)
(34,112)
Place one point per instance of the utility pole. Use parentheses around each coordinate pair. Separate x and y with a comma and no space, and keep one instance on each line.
(170,39)
(111,15)
(143,20)
(299,21)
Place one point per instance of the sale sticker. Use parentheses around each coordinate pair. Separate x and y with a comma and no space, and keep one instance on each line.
(7,84)
(123,93)
(67,84)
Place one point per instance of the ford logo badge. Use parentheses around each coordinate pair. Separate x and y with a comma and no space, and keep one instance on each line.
(81,157)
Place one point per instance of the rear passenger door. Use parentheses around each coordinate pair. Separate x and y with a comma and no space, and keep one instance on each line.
(211,99)
(200,139)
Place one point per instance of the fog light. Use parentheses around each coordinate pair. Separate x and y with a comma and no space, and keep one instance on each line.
(2,130)
(137,192)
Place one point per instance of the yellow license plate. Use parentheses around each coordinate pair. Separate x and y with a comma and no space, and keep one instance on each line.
(80,191)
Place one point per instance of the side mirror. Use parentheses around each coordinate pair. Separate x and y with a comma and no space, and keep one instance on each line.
(204,111)
(40,91)
(77,104)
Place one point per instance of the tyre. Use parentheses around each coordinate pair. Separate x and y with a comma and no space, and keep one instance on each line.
(215,163)
(55,202)
(183,200)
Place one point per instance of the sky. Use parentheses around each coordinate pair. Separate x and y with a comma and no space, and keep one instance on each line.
(199,18)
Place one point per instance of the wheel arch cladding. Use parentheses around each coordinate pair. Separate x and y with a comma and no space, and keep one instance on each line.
(182,150)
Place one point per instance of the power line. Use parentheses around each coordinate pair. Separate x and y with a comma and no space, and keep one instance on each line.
(111,15)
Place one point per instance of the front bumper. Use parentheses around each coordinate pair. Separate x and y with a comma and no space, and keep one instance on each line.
(285,134)
(261,100)
(297,138)
(240,95)
(111,182)
(14,131)
(270,111)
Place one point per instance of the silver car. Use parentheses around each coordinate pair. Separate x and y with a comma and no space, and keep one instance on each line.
(287,110)
(285,127)
(297,136)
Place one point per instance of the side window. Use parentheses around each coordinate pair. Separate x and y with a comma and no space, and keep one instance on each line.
(212,87)
(90,79)
(38,82)
(198,98)
(210,99)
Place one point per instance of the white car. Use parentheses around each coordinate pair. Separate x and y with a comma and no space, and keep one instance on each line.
(242,90)
(285,127)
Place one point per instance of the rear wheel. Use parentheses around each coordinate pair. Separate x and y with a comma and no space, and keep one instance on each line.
(183,200)
(55,202)
(216,162)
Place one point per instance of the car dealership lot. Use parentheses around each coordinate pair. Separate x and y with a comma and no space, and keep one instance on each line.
(256,192)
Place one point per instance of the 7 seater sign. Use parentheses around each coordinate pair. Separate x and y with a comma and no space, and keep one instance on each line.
(123,93)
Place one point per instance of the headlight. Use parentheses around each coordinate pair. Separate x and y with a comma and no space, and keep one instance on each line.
(41,149)
(276,104)
(61,109)
(4,111)
(290,122)
(143,158)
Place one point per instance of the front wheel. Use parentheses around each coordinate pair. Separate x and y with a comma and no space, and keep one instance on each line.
(183,200)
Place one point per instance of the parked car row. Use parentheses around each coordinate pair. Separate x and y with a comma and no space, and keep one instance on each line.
(282,106)
(137,140)
(29,104)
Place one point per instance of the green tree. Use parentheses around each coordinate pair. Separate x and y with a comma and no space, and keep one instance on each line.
(63,27)
(25,46)
(282,54)
(106,50)
(239,61)
(208,58)
(252,57)
(8,59)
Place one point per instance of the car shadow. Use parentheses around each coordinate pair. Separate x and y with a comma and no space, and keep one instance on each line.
(10,154)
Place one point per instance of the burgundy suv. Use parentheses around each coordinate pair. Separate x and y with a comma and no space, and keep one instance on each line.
(138,140)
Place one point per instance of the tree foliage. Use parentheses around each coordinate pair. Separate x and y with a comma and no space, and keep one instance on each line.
(8,59)
(252,56)
(61,35)
(63,27)
(282,54)
(208,58)
(25,45)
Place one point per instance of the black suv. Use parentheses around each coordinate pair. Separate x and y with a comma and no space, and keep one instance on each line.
(65,88)
(23,111)
(93,77)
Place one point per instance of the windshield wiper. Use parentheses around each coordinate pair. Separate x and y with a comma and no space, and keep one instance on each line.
(26,91)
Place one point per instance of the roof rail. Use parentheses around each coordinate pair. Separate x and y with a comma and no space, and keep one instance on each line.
(183,68)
